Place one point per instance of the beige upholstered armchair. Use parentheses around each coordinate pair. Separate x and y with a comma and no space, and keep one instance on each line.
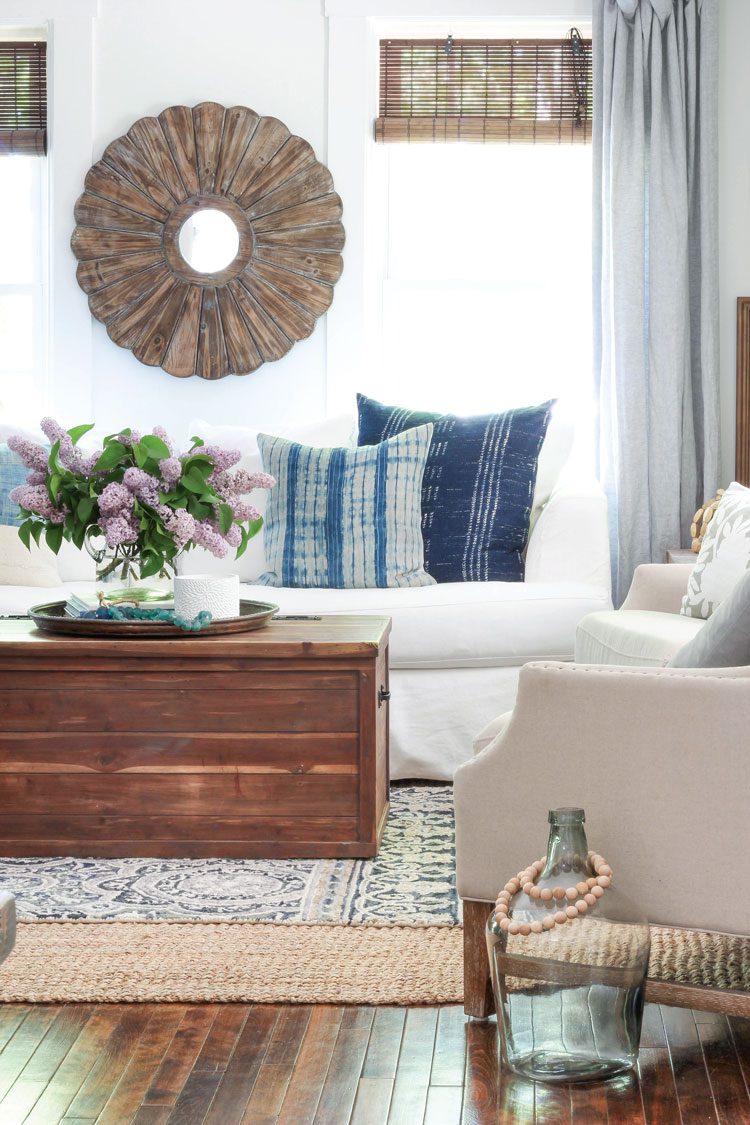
(660,760)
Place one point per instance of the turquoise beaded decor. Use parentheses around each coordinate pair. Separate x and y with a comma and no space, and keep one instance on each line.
(140,613)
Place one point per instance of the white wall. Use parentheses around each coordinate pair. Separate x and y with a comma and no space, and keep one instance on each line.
(149,54)
(734,201)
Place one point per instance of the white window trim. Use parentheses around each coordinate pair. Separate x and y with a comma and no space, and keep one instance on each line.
(70,37)
(354,27)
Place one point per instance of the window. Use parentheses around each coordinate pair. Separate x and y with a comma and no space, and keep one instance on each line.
(485,277)
(23,109)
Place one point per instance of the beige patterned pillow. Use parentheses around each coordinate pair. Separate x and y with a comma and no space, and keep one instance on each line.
(724,555)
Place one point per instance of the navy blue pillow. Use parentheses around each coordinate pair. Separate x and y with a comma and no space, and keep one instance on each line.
(477,489)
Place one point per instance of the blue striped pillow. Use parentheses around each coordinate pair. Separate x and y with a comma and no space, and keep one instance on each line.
(478,486)
(345,518)
(12,473)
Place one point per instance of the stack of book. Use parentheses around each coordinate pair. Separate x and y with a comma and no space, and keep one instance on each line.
(86,601)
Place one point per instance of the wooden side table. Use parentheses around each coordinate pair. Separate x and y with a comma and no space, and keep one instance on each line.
(268,744)
(681,555)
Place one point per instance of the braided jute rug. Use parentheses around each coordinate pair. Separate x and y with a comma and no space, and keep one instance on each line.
(381,931)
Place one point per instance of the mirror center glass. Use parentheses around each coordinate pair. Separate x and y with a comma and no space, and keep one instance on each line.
(208,240)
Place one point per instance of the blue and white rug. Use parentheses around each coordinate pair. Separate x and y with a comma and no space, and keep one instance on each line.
(411,881)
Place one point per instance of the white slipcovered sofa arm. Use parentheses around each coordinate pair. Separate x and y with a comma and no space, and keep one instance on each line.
(651,754)
(570,540)
(658,586)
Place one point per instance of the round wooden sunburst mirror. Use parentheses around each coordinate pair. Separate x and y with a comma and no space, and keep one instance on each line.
(208,240)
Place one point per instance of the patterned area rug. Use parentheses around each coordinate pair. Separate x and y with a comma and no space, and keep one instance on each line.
(379,931)
(411,881)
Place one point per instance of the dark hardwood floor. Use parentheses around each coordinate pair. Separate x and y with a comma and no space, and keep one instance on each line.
(254,1065)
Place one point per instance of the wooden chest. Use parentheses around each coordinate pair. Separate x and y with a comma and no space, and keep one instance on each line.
(273,743)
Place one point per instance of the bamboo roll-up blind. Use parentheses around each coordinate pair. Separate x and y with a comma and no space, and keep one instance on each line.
(492,90)
(23,98)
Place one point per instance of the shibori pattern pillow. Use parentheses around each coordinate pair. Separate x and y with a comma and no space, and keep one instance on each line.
(724,555)
(13,473)
(345,518)
(478,486)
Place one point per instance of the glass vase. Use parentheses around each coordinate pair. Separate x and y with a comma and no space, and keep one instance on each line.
(570,999)
(119,568)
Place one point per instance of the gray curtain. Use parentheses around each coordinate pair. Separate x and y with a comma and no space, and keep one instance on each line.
(656,362)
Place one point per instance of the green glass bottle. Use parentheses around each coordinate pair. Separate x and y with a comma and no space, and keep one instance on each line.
(569,999)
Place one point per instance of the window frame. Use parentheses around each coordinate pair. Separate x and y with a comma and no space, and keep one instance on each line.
(355,28)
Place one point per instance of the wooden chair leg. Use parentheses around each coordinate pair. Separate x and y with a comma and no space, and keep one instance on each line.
(478,998)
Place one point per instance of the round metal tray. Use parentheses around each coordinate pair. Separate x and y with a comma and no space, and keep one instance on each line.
(51,618)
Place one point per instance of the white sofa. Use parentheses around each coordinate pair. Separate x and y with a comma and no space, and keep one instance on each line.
(456,648)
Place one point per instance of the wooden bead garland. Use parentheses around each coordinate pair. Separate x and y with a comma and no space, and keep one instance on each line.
(702,519)
(574,901)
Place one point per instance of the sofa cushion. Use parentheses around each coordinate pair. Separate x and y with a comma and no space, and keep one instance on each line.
(460,624)
(345,518)
(478,486)
(19,566)
(724,641)
(633,636)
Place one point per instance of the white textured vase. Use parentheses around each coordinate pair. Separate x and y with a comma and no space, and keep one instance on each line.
(218,593)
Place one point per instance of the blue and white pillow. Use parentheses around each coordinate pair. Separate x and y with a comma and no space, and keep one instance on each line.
(478,486)
(345,518)
(13,472)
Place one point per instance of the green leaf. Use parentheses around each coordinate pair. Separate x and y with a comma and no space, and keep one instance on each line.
(197,442)
(199,510)
(53,487)
(78,431)
(84,508)
(194,482)
(54,537)
(78,536)
(226,518)
(24,534)
(36,532)
(254,527)
(54,460)
(112,455)
(152,565)
(155,447)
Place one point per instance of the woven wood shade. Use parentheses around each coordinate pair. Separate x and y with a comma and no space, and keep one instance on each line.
(23,98)
(528,91)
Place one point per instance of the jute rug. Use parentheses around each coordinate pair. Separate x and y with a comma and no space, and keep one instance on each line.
(382,931)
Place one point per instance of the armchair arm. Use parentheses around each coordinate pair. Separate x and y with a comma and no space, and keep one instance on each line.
(570,540)
(658,586)
(657,757)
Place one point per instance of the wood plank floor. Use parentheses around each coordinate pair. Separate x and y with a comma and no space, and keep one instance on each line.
(260,1064)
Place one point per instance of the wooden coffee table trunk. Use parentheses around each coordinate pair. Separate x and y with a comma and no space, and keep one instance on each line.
(273,743)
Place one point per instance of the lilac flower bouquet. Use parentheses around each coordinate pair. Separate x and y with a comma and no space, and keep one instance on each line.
(147,501)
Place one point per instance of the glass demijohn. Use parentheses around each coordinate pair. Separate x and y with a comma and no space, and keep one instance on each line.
(570,999)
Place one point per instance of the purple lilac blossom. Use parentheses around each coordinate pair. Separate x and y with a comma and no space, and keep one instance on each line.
(171,469)
(145,487)
(115,499)
(180,525)
(34,498)
(130,439)
(33,455)
(242,511)
(118,530)
(160,432)
(206,535)
(223,459)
